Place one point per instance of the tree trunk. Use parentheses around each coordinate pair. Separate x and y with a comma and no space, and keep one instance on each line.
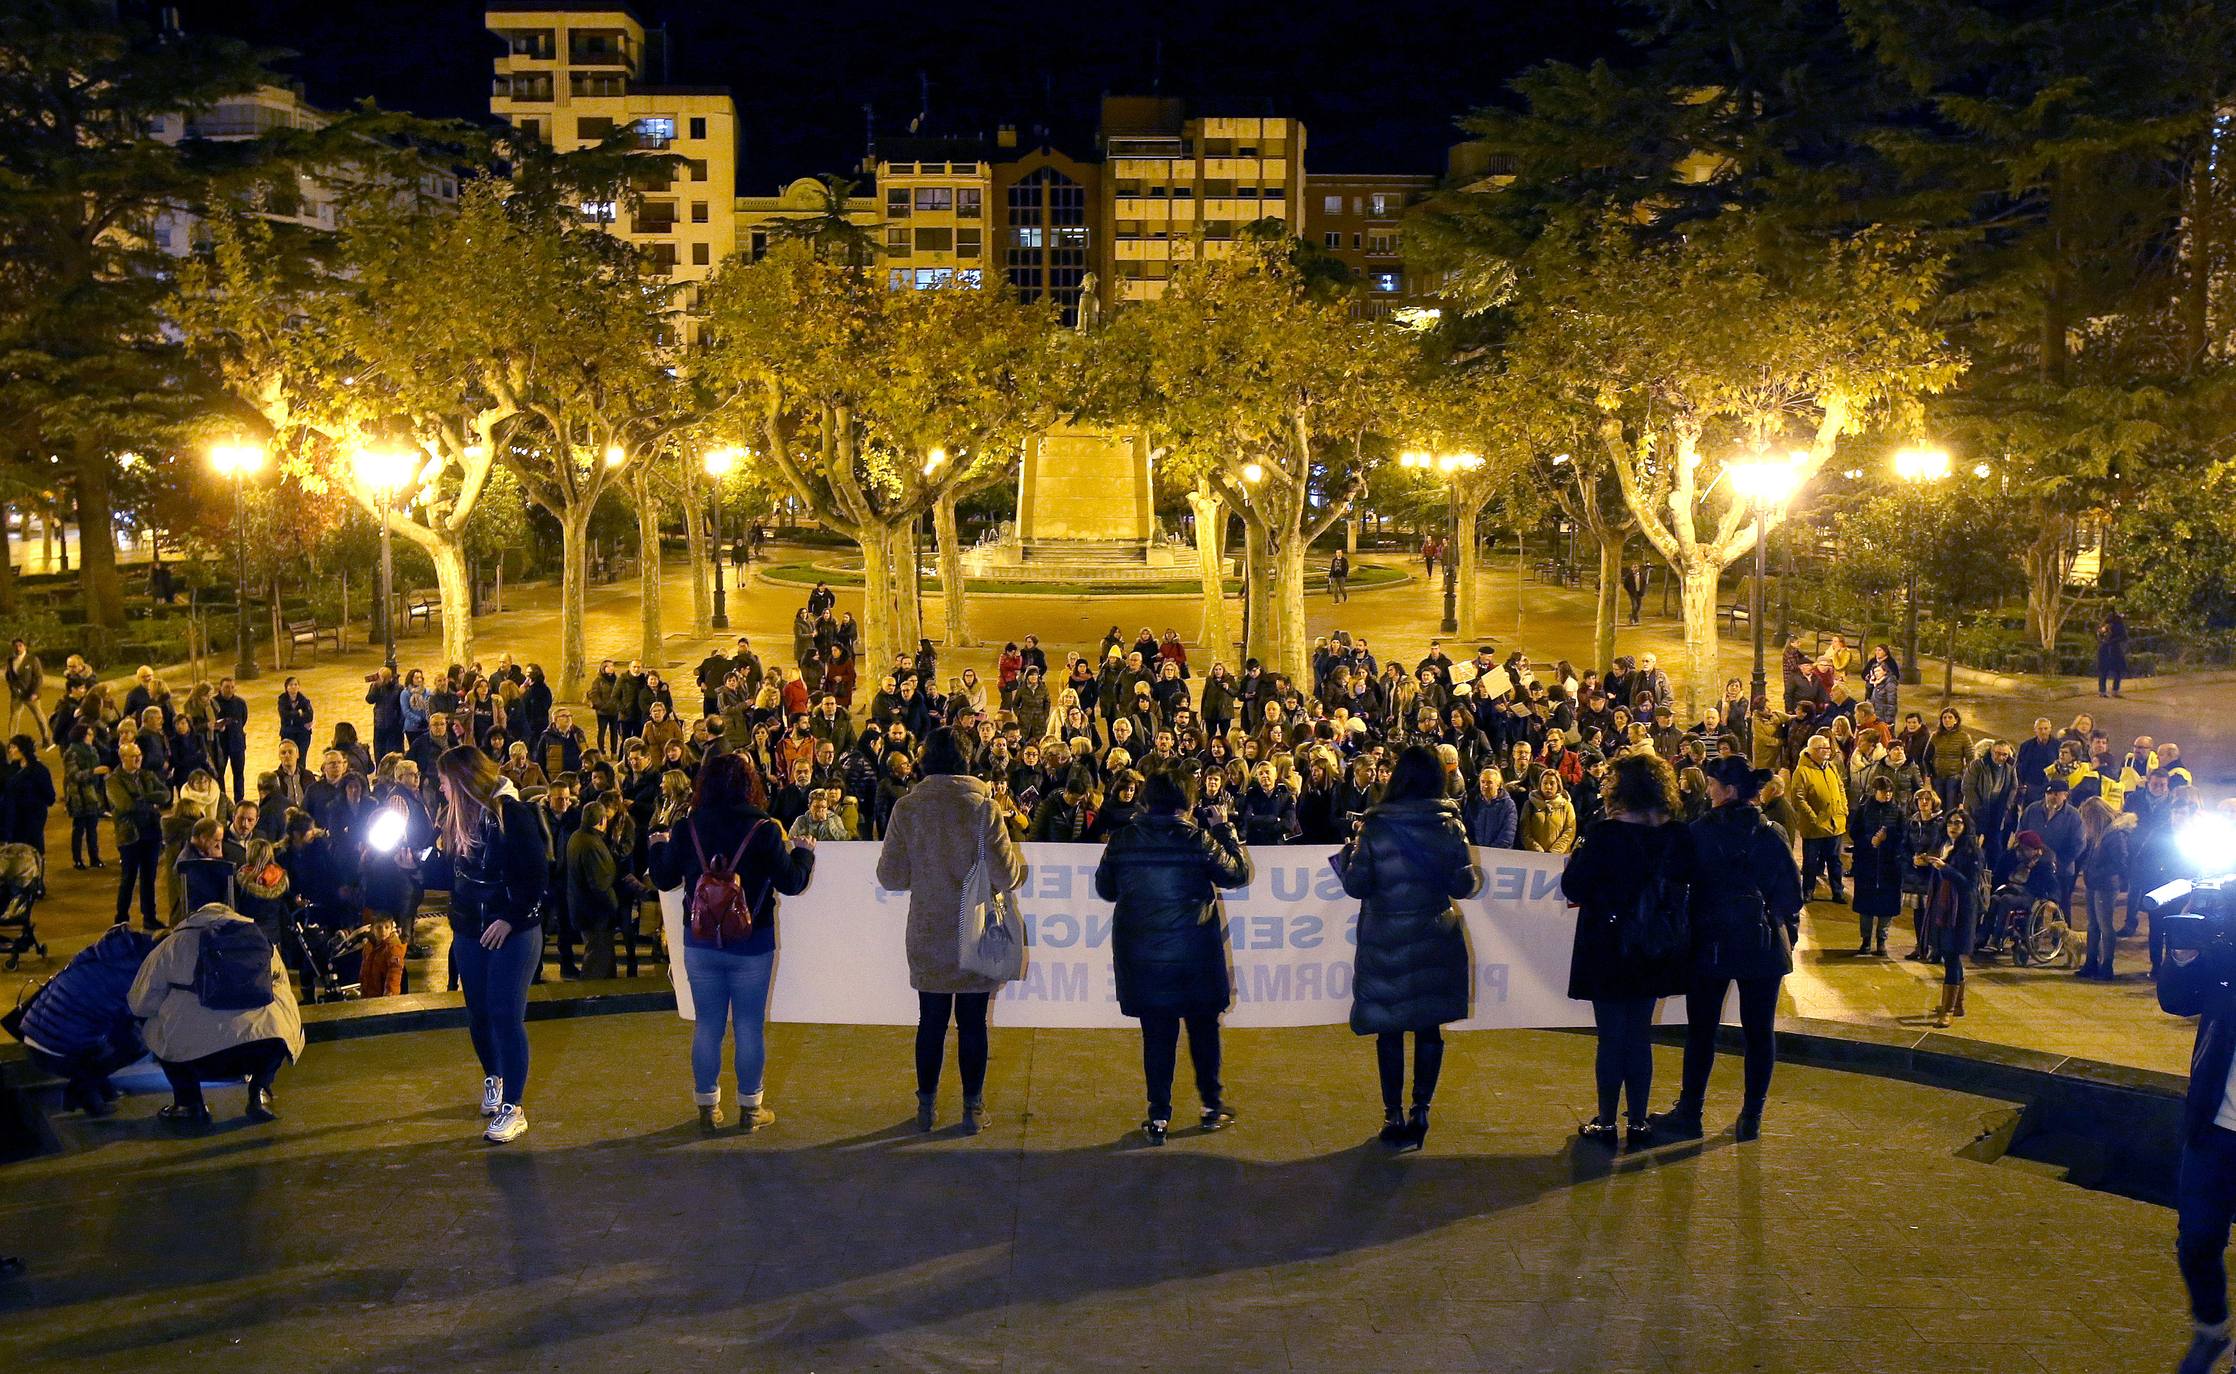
(8,563)
(695,545)
(648,565)
(2047,566)
(1351,534)
(1606,604)
(1261,633)
(1211,556)
(950,572)
(97,571)
(888,603)
(1464,517)
(574,567)
(1287,576)
(1703,672)
(456,590)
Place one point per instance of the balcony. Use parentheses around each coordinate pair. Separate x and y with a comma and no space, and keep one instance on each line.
(653,217)
(598,48)
(533,88)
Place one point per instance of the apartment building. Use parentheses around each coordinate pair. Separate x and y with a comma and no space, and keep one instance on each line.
(934,193)
(1177,188)
(760,219)
(572,75)
(307,201)
(1356,218)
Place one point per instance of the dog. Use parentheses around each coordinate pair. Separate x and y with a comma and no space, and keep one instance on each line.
(2049,919)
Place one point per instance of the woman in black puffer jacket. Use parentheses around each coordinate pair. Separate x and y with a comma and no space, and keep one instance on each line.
(1408,862)
(1168,943)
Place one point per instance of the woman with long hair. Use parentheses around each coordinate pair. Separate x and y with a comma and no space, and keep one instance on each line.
(1952,905)
(1630,879)
(1407,864)
(498,865)
(730,971)
(933,837)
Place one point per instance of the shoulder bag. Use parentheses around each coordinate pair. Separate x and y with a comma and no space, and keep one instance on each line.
(991,930)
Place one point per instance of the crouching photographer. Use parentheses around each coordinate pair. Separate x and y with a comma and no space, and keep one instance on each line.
(2198,979)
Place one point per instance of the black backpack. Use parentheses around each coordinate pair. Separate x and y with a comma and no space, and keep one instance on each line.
(1660,925)
(233,967)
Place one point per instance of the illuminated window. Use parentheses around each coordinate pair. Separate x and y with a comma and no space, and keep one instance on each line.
(935,197)
(1385,281)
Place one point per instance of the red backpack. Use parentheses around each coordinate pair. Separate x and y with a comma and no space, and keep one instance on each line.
(719,911)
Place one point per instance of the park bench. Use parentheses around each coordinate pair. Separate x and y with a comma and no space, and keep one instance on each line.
(1854,638)
(1736,613)
(309,631)
(423,606)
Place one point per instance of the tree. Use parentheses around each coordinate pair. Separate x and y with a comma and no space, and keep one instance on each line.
(367,344)
(1254,384)
(86,368)
(876,407)
(578,341)
(831,233)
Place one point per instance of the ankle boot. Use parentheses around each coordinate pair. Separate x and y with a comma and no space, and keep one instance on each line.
(1416,1130)
(927,1111)
(710,1108)
(1393,1127)
(974,1115)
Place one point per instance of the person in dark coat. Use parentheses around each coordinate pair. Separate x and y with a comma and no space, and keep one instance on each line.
(1746,915)
(1952,905)
(1633,855)
(493,849)
(80,1026)
(1168,945)
(27,797)
(295,716)
(1406,865)
(1881,833)
(594,899)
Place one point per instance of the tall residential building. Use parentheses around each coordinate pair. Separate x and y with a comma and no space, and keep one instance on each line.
(572,74)
(1355,219)
(935,193)
(306,202)
(1176,188)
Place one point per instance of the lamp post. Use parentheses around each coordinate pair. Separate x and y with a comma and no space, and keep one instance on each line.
(239,459)
(1919,467)
(1449,466)
(1765,484)
(717,464)
(385,471)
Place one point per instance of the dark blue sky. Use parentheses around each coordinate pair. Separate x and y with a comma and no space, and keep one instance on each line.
(1378,84)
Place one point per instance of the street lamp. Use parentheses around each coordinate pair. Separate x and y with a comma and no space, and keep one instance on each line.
(718,463)
(1449,466)
(385,471)
(1765,484)
(1919,467)
(240,459)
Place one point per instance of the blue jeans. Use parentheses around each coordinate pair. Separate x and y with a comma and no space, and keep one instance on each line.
(2205,1200)
(495,982)
(729,991)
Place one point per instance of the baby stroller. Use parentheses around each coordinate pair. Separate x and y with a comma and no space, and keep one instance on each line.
(22,884)
(327,951)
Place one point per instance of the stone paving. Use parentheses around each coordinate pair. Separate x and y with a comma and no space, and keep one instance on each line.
(2035,1009)
(370,1230)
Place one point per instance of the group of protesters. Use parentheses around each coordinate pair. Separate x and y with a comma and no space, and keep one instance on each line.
(542,823)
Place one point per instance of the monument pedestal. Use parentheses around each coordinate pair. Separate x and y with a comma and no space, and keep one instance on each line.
(1085,512)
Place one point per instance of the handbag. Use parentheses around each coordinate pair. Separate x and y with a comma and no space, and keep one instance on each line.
(12,1020)
(991,930)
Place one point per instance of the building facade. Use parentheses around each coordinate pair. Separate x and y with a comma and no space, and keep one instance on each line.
(1357,220)
(935,195)
(570,76)
(1050,226)
(760,219)
(1177,188)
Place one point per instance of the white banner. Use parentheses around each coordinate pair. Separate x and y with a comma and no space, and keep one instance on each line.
(842,955)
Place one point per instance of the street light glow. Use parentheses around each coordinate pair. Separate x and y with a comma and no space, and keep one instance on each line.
(614,456)
(933,461)
(1921,464)
(1980,470)
(1766,482)
(1253,473)
(237,457)
(719,462)
(385,470)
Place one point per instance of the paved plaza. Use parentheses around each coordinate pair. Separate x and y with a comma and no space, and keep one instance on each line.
(371,1230)
(2035,1009)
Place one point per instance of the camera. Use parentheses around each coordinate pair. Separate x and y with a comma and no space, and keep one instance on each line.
(2199,918)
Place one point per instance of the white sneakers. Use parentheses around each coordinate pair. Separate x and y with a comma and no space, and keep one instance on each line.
(510,1124)
(492,1095)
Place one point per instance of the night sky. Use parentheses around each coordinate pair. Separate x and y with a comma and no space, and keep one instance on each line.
(1378,85)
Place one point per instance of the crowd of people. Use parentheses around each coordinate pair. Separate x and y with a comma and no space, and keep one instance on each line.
(542,825)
